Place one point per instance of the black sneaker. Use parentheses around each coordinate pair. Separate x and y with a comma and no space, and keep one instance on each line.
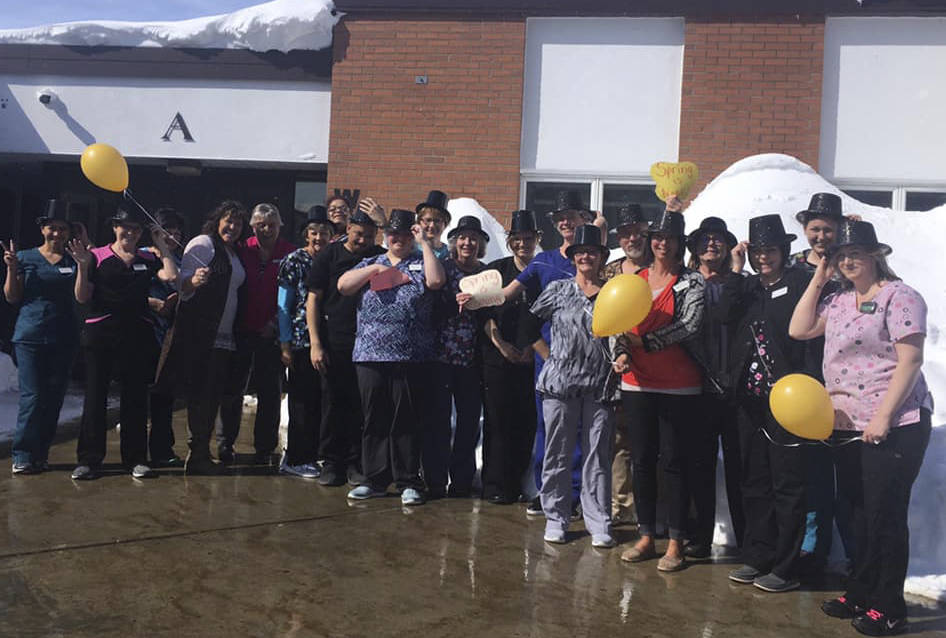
(535,507)
(875,623)
(841,607)
(225,454)
(698,551)
(330,477)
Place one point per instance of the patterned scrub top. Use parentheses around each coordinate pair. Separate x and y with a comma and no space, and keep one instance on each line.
(859,353)
(293,272)
(578,363)
(457,336)
(396,324)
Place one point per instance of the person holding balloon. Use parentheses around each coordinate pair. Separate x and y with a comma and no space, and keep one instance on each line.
(660,389)
(199,348)
(874,329)
(41,280)
(114,280)
(572,384)
(757,309)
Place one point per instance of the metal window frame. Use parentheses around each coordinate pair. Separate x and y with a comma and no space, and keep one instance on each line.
(597,182)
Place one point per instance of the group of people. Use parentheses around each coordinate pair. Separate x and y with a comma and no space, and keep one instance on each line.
(390,370)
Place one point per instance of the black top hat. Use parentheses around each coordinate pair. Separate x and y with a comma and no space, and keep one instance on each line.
(570,200)
(468,223)
(400,221)
(438,200)
(827,205)
(670,223)
(129,216)
(710,225)
(317,215)
(767,230)
(586,236)
(523,221)
(859,234)
(56,210)
(628,215)
(362,218)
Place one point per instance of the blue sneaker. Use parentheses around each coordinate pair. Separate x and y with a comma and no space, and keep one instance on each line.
(364,492)
(410,496)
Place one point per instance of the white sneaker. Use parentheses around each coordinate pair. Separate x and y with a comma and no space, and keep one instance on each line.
(305,470)
(410,496)
(604,541)
(141,471)
(556,536)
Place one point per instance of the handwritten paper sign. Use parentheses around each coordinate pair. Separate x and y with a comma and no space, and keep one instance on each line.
(387,279)
(486,288)
(674,178)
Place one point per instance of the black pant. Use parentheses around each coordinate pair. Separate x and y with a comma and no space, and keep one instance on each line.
(203,400)
(305,410)
(390,393)
(342,416)
(508,428)
(124,356)
(451,386)
(661,428)
(876,480)
(259,355)
(773,490)
(161,435)
(720,417)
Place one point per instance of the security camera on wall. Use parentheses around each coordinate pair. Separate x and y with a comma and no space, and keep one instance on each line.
(46,96)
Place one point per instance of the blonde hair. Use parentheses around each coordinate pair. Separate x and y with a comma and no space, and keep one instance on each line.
(480,245)
(882,269)
(431,209)
(264,211)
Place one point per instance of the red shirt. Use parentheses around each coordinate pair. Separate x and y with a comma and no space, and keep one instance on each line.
(261,284)
(667,369)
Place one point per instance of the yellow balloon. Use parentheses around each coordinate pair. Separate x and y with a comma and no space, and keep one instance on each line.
(105,167)
(802,406)
(622,303)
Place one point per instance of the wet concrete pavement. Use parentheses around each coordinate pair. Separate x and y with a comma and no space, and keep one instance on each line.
(256,554)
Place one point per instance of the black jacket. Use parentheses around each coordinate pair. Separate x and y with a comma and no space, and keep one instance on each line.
(745,300)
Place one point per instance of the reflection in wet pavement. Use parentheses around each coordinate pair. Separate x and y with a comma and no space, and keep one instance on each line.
(255,554)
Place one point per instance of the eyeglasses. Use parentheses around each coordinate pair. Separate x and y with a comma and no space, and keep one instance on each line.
(430,221)
(338,209)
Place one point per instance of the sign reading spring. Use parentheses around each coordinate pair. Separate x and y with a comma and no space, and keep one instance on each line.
(674,178)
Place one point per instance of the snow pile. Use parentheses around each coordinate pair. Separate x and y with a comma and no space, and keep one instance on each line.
(9,400)
(281,25)
(774,183)
(496,248)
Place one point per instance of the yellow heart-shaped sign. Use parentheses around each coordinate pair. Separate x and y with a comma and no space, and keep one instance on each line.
(674,178)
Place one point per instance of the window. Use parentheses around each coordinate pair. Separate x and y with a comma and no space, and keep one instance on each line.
(308,194)
(924,200)
(600,193)
(872,197)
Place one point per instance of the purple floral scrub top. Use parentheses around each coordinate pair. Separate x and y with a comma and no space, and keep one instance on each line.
(859,353)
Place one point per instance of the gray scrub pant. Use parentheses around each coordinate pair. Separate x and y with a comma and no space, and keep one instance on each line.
(561,422)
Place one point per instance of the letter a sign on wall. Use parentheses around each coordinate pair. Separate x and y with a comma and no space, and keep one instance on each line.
(178,124)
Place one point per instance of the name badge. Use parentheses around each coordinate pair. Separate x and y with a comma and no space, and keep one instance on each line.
(415,267)
(66,270)
(781,292)
(868,307)
(139,267)
(681,285)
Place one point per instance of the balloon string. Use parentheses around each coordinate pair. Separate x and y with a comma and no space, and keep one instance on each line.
(853,439)
(131,198)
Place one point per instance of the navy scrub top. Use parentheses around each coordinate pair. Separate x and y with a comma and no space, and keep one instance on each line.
(47,310)
(119,304)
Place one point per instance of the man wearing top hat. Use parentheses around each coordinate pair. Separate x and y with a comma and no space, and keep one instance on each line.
(631,231)
(330,322)
(433,217)
(548,266)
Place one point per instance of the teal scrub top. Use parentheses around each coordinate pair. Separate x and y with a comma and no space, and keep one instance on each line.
(47,310)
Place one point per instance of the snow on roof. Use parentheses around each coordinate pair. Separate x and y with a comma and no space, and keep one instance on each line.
(281,25)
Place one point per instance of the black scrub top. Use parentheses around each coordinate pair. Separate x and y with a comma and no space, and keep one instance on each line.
(119,304)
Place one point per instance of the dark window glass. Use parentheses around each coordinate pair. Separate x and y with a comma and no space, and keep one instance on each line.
(873,198)
(617,195)
(918,200)
(541,197)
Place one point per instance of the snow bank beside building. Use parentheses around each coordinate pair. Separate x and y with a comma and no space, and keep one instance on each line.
(774,183)
(281,25)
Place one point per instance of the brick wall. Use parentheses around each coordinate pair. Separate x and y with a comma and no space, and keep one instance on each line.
(460,133)
(750,87)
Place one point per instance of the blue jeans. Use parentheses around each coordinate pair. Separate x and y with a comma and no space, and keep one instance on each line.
(43,373)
